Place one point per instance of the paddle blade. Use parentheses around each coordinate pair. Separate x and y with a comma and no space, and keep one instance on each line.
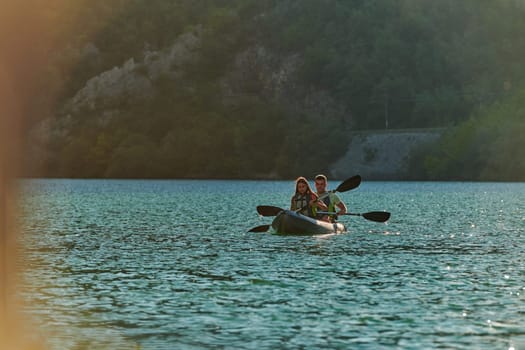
(262,228)
(377,216)
(268,210)
(349,184)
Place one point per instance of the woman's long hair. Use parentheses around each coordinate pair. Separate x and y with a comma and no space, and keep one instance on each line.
(302,179)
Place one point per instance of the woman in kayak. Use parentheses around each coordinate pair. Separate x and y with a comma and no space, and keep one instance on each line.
(305,201)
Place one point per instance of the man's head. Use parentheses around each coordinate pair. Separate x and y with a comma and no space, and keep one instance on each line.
(320,183)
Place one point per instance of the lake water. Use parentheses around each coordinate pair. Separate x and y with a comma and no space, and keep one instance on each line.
(170,265)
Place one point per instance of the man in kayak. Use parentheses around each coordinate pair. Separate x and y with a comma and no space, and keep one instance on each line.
(304,200)
(331,200)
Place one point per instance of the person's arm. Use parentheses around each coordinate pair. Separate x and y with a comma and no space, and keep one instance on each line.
(316,203)
(342,208)
(339,204)
(292,204)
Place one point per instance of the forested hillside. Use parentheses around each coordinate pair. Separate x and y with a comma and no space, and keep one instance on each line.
(272,88)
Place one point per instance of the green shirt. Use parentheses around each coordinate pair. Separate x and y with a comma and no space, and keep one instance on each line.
(331,201)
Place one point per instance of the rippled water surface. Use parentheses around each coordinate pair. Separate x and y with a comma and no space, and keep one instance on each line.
(170,265)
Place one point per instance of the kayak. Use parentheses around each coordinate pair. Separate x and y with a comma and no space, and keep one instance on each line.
(292,223)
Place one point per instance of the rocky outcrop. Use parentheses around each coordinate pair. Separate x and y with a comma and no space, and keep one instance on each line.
(254,71)
(169,62)
(111,88)
(260,72)
(134,82)
(382,155)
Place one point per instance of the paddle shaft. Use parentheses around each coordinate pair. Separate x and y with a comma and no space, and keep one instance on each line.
(347,185)
(334,213)
(377,216)
(268,210)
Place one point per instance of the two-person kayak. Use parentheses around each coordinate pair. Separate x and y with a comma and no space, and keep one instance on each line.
(292,223)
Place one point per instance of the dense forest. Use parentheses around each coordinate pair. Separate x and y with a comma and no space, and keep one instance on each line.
(273,88)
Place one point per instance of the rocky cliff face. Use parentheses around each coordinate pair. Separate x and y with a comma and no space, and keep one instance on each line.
(253,71)
(382,155)
(259,71)
(135,81)
(270,78)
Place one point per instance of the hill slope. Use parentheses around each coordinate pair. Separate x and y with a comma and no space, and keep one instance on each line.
(242,89)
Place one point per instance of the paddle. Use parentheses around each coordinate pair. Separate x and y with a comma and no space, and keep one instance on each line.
(347,185)
(377,216)
(261,228)
(268,210)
